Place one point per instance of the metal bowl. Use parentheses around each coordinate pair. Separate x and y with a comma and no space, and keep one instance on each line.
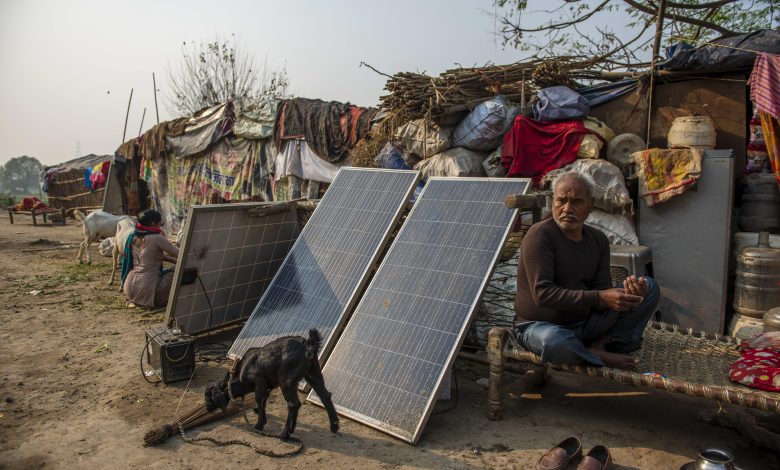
(714,459)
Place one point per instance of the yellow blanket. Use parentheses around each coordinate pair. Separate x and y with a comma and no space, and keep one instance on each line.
(665,173)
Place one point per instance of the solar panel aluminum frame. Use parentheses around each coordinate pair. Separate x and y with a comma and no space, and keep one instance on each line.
(170,320)
(391,430)
(329,342)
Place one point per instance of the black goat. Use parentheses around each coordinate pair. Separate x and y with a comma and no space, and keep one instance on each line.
(280,363)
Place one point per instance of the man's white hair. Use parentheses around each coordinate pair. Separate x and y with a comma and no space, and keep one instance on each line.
(583,178)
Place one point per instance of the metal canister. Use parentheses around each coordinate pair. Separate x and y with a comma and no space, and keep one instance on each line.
(758,279)
(772,319)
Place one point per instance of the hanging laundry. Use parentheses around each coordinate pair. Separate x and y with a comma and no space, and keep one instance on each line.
(99,175)
(330,128)
(88,179)
(297,159)
(665,173)
(771,127)
(764,84)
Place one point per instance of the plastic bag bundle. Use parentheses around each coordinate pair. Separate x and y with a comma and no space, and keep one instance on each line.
(454,162)
(560,103)
(592,145)
(619,229)
(492,164)
(484,127)
(107,246)
(392,158)
(423,139)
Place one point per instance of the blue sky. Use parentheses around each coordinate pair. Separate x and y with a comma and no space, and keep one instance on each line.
(60,59)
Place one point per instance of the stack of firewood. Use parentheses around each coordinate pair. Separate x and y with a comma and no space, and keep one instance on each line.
(418,95)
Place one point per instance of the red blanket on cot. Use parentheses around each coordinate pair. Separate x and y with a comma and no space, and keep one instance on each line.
(759,366)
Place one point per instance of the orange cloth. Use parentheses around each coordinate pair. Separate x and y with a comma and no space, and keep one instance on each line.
(771,128)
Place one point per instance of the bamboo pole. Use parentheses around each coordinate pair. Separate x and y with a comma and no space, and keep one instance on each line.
(659,26)
(141,127)
(127,116)
(154,85)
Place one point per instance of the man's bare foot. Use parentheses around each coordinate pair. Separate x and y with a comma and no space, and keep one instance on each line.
(618,361)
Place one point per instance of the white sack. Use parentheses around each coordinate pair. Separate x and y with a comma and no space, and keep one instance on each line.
(423,140)
(619,229)
(453,162)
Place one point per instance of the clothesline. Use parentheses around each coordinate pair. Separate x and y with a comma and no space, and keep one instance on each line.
(735,48)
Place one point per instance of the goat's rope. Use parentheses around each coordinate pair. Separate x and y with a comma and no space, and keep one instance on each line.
(239,442)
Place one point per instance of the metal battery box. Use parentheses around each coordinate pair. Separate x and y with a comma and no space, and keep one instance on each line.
(170,355)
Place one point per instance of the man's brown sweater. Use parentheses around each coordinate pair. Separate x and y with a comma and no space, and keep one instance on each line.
(558,279)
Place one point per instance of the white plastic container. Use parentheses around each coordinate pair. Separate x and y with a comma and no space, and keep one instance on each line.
(692,132)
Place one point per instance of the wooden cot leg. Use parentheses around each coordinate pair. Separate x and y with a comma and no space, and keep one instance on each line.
(44,218)
(495,351)
(11,216)
(62,214)
(35,222)
(539,374)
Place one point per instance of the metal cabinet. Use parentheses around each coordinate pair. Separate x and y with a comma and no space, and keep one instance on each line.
(690,238)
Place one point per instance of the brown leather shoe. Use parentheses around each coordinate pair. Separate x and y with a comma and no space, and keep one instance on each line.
(559,456)
(598,458)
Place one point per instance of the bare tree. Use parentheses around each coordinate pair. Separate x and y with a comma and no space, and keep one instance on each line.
(582,28)
(221,70)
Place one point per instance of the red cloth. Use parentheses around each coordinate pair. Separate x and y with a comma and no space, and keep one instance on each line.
(764,84)
(29,203)
(759,366)
(144,228)
(535,148)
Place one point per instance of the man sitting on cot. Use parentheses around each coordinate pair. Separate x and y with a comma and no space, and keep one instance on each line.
(566,310)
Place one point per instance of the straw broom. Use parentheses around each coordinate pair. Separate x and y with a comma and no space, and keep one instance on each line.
(195,417)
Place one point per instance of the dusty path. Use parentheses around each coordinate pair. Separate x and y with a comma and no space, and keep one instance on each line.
(72,396)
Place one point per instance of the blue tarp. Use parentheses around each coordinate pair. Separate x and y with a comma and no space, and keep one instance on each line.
(599,94)
(710,59)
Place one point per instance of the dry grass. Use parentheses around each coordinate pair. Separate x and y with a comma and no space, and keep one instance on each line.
(364,153)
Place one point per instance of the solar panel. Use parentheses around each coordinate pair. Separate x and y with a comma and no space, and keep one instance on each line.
(236,249)
(330,262)
(387,367)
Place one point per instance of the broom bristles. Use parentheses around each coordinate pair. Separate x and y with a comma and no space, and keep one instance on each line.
(158,435)
(194,417)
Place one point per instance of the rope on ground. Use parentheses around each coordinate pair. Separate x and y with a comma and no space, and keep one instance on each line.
(269,453)
(239,442)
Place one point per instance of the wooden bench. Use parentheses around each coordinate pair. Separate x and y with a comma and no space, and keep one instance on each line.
(671,358)
(34,213)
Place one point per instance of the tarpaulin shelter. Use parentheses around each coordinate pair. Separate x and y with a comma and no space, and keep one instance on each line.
(235,151)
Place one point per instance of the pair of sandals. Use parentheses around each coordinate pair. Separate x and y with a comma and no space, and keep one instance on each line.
(569,450)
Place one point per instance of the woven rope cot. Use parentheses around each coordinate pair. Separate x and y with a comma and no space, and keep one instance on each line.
(671,358)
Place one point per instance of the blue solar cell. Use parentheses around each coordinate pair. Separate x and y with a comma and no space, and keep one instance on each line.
(330,262)
(389,363)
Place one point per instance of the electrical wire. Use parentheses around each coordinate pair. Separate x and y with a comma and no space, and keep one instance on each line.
(208,300)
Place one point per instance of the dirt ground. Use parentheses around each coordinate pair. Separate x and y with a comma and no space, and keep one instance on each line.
(72,395)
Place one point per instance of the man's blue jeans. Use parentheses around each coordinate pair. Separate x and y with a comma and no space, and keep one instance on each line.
(560,344)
